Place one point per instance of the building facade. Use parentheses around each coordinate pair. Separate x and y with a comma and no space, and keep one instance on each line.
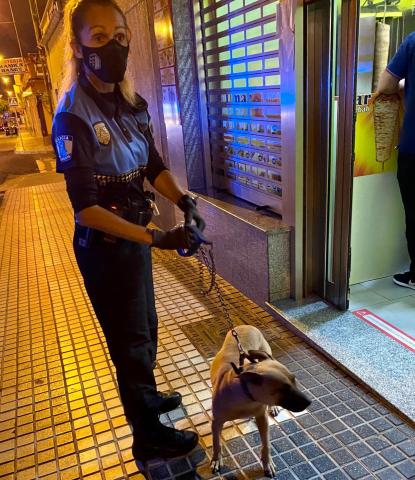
(253,104)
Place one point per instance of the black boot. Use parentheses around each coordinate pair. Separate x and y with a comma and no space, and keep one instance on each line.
(160,442)
(169,401)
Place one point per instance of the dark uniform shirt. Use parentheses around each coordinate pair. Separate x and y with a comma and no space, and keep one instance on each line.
(401,66)
(104,147)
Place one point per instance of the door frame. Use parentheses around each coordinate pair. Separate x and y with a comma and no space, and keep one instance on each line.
(318,147)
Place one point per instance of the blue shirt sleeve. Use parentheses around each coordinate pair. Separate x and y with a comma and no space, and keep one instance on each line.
(72,141)
(399,64)
(74,148)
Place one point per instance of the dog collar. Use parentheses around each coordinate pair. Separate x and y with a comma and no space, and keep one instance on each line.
(246,390)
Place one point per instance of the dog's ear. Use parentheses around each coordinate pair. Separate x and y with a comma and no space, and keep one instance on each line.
(259,355)
(252,377)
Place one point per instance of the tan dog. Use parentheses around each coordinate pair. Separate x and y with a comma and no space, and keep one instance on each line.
(264,384)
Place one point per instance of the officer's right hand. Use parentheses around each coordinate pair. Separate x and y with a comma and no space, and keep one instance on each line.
(178,237)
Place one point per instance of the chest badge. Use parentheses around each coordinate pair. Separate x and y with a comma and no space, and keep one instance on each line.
(102,133)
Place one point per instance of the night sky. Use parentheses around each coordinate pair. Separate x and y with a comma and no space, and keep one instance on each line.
(8,41)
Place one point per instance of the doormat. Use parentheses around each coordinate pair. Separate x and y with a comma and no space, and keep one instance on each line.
(208,335)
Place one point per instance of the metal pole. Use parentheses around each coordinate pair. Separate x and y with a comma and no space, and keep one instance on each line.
(19,135)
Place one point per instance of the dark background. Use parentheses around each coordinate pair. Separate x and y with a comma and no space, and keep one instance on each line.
(8,42)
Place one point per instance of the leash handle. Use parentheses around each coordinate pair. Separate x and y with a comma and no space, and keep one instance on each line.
(199,241)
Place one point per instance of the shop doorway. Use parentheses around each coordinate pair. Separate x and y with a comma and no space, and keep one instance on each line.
(353,204)
(378,244)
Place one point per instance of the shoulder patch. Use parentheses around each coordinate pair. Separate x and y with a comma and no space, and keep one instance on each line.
(64,144)
(102,133)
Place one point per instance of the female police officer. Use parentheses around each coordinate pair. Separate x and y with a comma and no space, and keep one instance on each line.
(105,148)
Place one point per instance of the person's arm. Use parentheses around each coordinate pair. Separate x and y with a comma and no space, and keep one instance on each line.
(159,175)
(166,184)
(397,69)
(388,84)
(101,219)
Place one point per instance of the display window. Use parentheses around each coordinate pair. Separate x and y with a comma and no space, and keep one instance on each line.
(241,62)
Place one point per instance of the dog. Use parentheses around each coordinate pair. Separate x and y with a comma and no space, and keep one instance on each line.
(250,391)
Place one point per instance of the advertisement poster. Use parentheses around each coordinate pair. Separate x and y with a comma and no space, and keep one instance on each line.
(365,146)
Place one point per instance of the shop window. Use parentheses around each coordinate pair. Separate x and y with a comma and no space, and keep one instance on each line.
(243,96)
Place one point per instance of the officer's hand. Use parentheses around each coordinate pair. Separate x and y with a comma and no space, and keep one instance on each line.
(188,206)
(178,237)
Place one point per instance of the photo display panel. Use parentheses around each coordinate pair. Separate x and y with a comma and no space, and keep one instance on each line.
(241,58)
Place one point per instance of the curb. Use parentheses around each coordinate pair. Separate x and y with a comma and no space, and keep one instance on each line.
(33,152)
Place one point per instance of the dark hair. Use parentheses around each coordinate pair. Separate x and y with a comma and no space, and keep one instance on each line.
(80,8)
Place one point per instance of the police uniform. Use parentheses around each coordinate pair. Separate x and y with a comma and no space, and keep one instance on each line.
(105,149)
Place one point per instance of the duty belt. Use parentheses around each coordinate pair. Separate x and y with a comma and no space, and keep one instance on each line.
(137,214)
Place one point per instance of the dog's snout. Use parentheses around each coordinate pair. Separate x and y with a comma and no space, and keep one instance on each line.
(296,402)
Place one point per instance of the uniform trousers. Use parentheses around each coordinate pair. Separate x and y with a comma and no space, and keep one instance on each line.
(119,282)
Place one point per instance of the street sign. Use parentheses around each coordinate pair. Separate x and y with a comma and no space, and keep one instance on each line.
(13,102)
(12,66)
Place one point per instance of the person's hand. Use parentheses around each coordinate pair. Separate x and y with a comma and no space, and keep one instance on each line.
(188,206)
(176,238)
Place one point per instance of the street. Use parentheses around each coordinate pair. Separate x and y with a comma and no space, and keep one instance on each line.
(19,169)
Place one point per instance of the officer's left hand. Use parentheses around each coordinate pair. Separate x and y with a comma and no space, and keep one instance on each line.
(188,206)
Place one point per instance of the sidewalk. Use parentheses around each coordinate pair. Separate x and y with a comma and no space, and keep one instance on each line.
(28,144)
(60,414)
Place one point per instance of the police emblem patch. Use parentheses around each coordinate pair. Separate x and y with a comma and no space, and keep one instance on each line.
(102,133)
(64,145)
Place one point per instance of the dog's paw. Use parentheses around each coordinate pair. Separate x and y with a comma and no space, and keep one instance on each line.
(216,465)
(273,411)
(270,470)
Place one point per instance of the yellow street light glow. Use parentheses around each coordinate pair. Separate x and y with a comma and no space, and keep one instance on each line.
(6,80)
(1,58)
(9,93)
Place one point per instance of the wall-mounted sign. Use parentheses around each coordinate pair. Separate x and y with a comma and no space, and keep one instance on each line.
(12,66)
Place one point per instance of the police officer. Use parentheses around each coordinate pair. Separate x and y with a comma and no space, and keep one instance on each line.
(105,149)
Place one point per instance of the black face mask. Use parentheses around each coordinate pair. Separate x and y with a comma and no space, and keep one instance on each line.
(108,62)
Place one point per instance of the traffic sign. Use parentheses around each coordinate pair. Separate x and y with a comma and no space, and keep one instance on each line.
(13,102)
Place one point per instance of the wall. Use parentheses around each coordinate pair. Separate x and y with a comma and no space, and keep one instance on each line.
(144,67)
(55,49)
(378,228)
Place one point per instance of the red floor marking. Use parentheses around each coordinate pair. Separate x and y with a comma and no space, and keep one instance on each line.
(387,328)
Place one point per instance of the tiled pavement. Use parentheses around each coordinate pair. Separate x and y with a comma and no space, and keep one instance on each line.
(60,415)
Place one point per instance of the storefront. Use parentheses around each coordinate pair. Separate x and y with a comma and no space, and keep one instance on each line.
(354,232)
(312,131)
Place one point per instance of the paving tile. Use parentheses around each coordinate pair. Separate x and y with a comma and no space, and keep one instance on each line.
(336,475)
(356,471)
(293,457)
(407,468)
(304,471)
(323,464)
(388,474)
(374,463)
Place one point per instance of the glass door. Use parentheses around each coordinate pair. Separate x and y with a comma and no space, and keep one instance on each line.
(330,112)
(341,152)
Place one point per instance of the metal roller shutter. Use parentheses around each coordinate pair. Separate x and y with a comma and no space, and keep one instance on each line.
(241,46)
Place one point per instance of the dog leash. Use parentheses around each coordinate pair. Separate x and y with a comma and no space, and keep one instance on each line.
(206,259)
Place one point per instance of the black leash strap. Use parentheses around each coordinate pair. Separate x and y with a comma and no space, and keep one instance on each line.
(206,258)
